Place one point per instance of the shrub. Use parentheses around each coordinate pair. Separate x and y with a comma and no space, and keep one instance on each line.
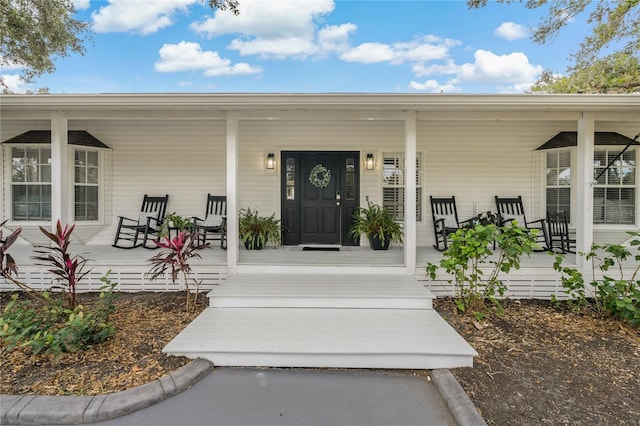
(618,296)
(54,328)
(470,253)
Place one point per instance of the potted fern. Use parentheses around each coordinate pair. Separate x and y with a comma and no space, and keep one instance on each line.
(378,224)
(256,231)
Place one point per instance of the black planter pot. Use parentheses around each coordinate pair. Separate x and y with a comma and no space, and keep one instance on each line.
(376,244)
(254,244)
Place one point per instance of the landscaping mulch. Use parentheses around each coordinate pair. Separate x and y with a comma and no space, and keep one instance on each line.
(537,364)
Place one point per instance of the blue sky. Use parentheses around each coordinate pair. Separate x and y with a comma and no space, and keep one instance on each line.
(309,46)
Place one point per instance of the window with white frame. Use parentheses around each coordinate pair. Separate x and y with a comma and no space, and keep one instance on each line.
(86,184)
(393,184)
(614,200)
(31,183)
(614,193)
(558,183)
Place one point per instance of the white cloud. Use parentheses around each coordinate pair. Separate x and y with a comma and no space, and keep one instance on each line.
(369,53)
(145,17)
(427,48)
(513,68)
(434,87)
(275,28)
(14,83)
(275,47)
(335,38)
(422,70)
(189,56)
(511,31)
(80,4)
(511,73)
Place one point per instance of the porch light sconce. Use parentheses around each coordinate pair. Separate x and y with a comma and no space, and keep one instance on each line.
(271,161)
(369,162)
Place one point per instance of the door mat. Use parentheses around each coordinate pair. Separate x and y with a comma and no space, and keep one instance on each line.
(320,248)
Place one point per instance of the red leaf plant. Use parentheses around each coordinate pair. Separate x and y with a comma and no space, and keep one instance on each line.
(175,258)
(69,269)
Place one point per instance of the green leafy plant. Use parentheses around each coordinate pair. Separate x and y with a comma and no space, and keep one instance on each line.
(618,296)
(256,231)
(376,222)
(52,327)
(69,269)
(175,221)
(470,254)
(175,259)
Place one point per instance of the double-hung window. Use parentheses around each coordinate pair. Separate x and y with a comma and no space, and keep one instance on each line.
(393,184)
(86,184)
(614,200)
(559,181)
(31,183)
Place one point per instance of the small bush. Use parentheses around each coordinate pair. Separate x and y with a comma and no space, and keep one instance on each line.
(52,327)
(470,252)
(618,296)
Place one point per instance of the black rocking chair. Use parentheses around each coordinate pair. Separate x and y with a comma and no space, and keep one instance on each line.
(445,220)
(559,232)
(511,209)
(214,225)
(138,231)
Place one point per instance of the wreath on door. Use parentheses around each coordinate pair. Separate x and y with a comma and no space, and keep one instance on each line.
(320,176)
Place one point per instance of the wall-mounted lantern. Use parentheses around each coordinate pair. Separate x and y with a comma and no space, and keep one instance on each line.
(369,162)
(270,162)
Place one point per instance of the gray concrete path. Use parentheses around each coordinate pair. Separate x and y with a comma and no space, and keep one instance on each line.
(299,397)
(198,394)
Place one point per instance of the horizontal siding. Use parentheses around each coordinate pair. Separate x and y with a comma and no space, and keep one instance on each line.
(261,189)
(476,161)
(185,159)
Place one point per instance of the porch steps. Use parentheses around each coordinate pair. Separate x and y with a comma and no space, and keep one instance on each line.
(320,291)
(327,321)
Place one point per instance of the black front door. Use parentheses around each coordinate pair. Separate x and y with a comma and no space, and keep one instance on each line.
(319,195)
(320,199)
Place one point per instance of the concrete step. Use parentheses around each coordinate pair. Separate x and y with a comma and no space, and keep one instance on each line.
(323,338)
(321,291)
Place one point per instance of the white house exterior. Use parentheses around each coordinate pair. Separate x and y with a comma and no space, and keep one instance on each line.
(187,145)
(101,153)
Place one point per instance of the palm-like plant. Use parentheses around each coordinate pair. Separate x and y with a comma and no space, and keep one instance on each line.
(175,258)
(68,268)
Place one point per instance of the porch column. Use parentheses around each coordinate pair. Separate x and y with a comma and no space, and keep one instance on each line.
(410,193)
(59,166)
(584,186)
(232,192)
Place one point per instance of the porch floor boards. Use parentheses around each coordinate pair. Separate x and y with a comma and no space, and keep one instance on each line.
(106,255)
(343,327)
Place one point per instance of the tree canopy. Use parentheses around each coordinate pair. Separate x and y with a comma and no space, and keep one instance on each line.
(34,33)
(607,60)
(231,5)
